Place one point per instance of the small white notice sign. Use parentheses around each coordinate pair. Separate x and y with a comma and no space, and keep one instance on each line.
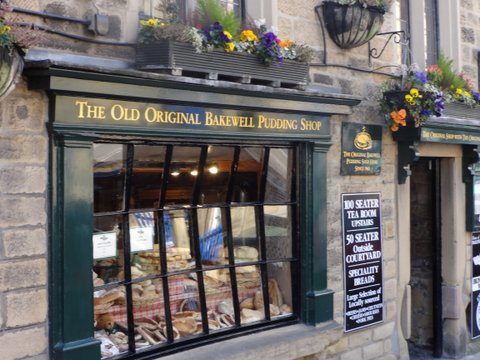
(141,239)
(104,245)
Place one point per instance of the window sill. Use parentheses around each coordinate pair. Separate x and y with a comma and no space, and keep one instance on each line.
(289,342)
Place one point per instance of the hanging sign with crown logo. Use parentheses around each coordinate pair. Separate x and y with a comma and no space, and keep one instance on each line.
(361,149)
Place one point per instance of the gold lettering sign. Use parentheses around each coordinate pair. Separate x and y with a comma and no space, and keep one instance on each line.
(93,111)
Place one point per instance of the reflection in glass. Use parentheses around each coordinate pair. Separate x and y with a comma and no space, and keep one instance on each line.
(111,314)
(211,233)
(177,238)
(476,195)
(109,166)
(278,232)
(218,294)
(147,174)
(183,173)
(279,176)
(108,248)
(280,288)
(246,245)
(216,174)
(246,186)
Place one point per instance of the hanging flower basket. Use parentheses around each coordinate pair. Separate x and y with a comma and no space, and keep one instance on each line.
(350,26)
(11,67)
(179,58)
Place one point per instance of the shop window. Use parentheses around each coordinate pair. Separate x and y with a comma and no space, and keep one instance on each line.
(185,9)
(191,242)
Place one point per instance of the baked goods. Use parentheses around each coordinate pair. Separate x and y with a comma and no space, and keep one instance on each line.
(245,254)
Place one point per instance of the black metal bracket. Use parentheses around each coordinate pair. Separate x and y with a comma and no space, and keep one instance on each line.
(395,36)
(407,154)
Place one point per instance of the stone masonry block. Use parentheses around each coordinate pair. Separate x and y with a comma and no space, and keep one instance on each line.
(22,274)
(22,211)
(372,351)
(28,179)
(22,118)
(383,331)
(468,35)
(23,343)
(17,243)
(26,308)
(359,339)
(353,354)
(23,148)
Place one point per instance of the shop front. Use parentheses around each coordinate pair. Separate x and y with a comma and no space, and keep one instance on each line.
(182,213)
(437,164)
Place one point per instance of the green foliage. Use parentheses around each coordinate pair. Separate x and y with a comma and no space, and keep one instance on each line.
(449,78)
(211,11)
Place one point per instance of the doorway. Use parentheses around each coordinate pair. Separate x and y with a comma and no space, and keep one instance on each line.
(425,278)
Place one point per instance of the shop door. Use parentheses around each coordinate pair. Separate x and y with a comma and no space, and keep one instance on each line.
(425,240)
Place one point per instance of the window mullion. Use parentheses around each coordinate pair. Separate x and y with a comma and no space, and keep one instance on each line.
(163,249)
(260,220)
(196,239)
(126,247)
(228,221)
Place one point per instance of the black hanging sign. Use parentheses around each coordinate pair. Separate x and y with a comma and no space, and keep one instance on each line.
(361,149)
(475,301)
(362,250)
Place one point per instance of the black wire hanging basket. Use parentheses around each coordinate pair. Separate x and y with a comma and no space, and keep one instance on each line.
(350,26)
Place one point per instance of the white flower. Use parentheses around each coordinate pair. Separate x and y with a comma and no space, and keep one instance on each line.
(273,29)
(260,22)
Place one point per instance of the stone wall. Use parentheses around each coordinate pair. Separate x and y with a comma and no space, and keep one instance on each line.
(470,38)
(23,225)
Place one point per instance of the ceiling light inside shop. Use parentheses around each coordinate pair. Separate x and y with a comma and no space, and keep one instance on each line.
(213,169)
(194,172)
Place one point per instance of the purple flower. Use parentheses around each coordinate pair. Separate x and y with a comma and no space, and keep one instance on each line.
(426,112)
(439,105)
(269,37)
(420,76)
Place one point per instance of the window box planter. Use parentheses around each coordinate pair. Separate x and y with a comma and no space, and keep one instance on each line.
(181,59)
(350,26)
(11,67)
(462,111)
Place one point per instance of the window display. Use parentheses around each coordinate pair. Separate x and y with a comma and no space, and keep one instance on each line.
(191,240)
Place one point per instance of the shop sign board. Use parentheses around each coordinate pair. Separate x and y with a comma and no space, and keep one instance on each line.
(449,136)
(361,149)
(104,245)
(475,301)
(159,116)
(363,260)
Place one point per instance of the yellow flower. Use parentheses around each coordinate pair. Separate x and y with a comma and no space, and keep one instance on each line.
(229,47)
(7,28)
(248,35)
(228,35)
(458,92)
(409,98)
(152,22)
(414,92)
(467,94)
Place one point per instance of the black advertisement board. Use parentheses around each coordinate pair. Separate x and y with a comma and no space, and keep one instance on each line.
(475,301)
(361,149)
(362,257)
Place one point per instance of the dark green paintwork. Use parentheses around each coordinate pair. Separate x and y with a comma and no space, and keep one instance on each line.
(71,303)
(70,294)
